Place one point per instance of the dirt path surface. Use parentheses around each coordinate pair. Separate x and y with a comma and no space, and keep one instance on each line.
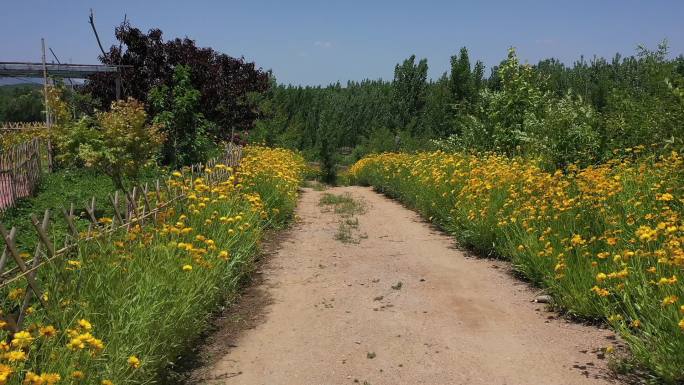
(328,312)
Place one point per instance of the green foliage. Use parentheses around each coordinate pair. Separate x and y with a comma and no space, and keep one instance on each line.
(118,143)
(408,95)
(566,133)
(520,99)
(21,103)
(137,291)
(69,138)
(177,110)
(58,190)
(465,83)
(328,164)
(129,143)
(555,113)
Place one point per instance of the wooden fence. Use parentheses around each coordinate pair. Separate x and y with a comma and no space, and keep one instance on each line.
(138,205)
(20,172)
(20,126)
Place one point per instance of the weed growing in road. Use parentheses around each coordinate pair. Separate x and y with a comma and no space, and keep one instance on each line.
(343,204)
(315,185)
(346,207)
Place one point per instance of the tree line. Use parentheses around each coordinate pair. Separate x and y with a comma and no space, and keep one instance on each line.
(562,114)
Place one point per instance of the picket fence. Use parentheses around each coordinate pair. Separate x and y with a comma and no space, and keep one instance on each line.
(20,172)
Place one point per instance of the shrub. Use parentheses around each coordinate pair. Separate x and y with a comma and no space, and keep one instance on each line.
(177,109)
(118,143)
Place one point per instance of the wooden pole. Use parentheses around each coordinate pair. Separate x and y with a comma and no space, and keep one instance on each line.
(48,121)
(117,85)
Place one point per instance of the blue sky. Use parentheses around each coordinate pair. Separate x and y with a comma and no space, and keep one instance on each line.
(319,42)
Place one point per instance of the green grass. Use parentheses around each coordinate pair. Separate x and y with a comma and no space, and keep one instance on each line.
(315,185)
(58,191)
(343,204)
(346,207)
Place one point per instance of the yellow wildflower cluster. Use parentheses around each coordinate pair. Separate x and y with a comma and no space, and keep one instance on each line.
(117,304)
(606,239)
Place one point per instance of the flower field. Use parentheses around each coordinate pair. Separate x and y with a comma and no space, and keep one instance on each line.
(125,305)
(606,241)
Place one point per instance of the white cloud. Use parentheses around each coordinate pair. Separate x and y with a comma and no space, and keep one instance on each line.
(323,44)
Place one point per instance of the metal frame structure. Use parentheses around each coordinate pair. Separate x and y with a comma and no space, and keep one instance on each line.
(72,71)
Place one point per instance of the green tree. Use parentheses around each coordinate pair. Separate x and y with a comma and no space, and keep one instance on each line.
(177,110)
(465,82)
(409,92)
(122,143)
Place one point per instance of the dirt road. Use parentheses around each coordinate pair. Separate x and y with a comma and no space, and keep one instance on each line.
(328,312)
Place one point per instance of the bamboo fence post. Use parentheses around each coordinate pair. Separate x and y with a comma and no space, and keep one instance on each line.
(41,228)
(20,262)
(146,201)
(115,204)
(69,218)
(6,252)
(91,213)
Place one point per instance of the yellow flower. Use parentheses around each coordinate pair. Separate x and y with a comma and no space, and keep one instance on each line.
(48,331)
(80,341)
(224,255)
(665,197)
(577,240)
(600,292)
(187,267)
(22,339)
(15,294)
(106,382)
(134,362)
(15,355)
(600,277)
(5,372)
(669,300)
(177,174)
(32,379)
(50,378)
(77,375)
(85,324)
(681,324)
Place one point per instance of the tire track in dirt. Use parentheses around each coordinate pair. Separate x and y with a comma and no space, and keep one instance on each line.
(325,312)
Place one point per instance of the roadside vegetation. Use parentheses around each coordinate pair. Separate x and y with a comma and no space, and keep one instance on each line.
(572,172)
(123,305)
(559,113)
(605,241)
